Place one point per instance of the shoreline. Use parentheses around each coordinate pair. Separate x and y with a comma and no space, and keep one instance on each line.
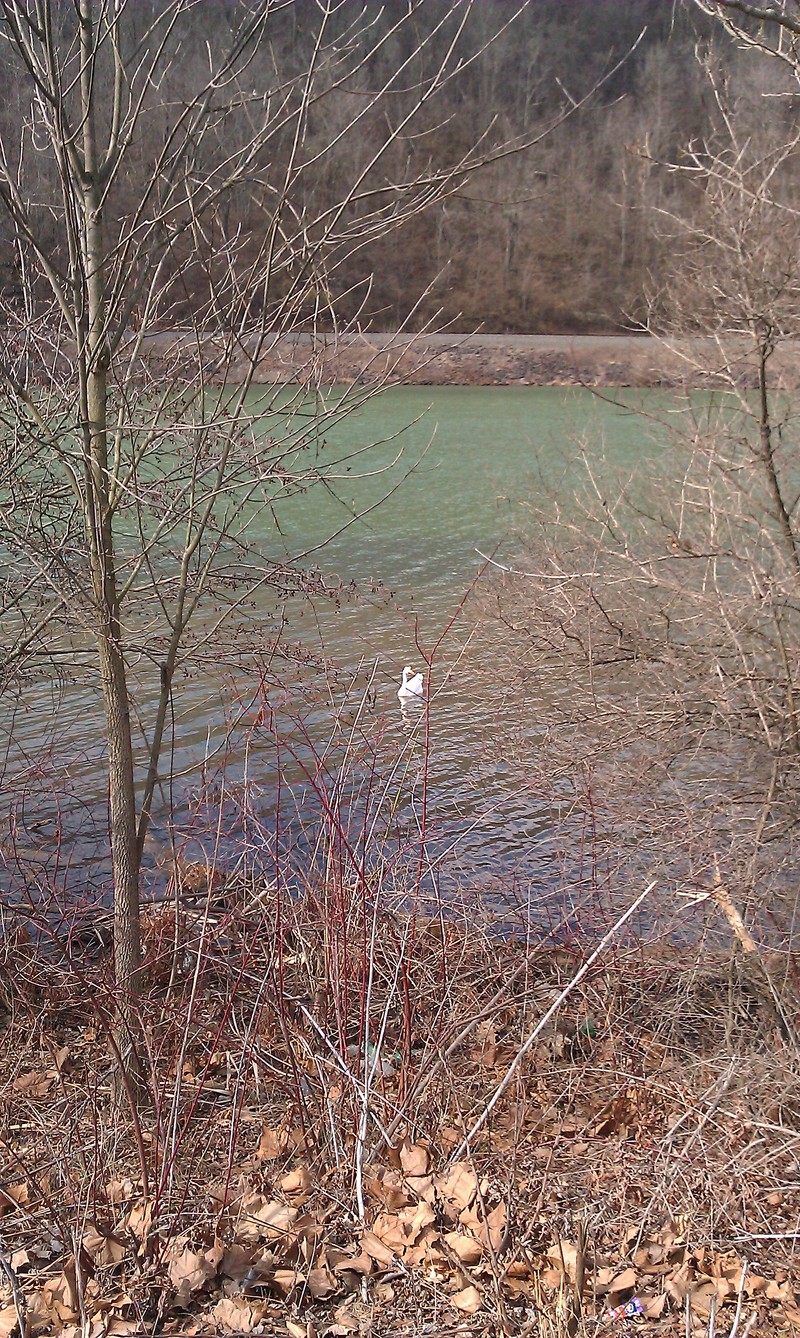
(635,360)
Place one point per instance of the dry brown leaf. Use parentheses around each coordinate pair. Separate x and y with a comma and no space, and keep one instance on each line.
(458,1187)
(39,1316)
(467,1248)
(8,1321)
(652,1306)
(623,1282)
(60,1057)
(296,1330)
(119,1191)
(33,1084)
(493,1229)
(355,1263)
(244,1264)
(565,1256)
(467,1300)
(793,1315)
(58,1298)
(297,1181)
(677,1284)
(309,1235)
(272,1144)
(13,1197)
(415,1219)
(387,1189)
(414,1159)
(103,1249)
(237,1315)
(702,1297)
(422,1186)
(286,1279)
(485,1051)
(779,1291)
(190,1270)
(346,1321)
(388,1230)
(519,1287)
(423,1252)
(20,1259)
(625,1114)
(138,1220)
(727,1266)
(649,1257)
(376,1249)
(259,1218)
(321,1284)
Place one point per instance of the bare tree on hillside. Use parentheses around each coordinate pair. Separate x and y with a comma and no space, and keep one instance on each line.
(773,26)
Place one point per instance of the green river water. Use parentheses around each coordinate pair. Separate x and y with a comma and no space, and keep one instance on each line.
(461,466)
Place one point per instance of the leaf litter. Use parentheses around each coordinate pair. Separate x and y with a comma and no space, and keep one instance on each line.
(627,1182)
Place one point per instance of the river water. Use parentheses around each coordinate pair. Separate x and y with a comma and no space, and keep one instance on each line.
(269,758)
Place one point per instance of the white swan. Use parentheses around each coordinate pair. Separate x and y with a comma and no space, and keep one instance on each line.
(412,687)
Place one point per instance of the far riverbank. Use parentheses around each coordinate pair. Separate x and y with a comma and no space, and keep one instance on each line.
(496,360)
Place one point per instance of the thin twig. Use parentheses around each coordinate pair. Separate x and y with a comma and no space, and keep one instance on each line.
(739,1300)
(16,1292)
(542,1023)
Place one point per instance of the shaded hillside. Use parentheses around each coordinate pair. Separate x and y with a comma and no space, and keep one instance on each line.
(558,237)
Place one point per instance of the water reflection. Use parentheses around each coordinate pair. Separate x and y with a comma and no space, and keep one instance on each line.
(412,714)
(313,761)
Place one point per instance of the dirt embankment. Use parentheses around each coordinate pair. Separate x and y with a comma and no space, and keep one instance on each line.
(474,360)
(481,360)
(500,360)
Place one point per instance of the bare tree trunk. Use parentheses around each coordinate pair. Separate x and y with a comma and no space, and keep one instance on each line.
(94,367)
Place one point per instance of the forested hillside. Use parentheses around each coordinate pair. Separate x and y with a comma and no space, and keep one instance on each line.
(564,235)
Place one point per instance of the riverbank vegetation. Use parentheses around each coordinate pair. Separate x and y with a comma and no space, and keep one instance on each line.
(300,1091)
(365,1117)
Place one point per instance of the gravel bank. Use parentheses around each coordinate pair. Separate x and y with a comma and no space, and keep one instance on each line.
(482,360)
(501,360)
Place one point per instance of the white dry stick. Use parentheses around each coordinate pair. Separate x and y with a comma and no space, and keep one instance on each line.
(344,1070)
(370,1069)
(543,1021)
(739,1300)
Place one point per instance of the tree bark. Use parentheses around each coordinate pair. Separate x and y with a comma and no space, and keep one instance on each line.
(94,361)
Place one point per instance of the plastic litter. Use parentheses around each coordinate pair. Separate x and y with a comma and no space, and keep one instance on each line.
(626,1311)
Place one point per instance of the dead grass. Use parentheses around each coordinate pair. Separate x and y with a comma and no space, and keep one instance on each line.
(314,1067)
